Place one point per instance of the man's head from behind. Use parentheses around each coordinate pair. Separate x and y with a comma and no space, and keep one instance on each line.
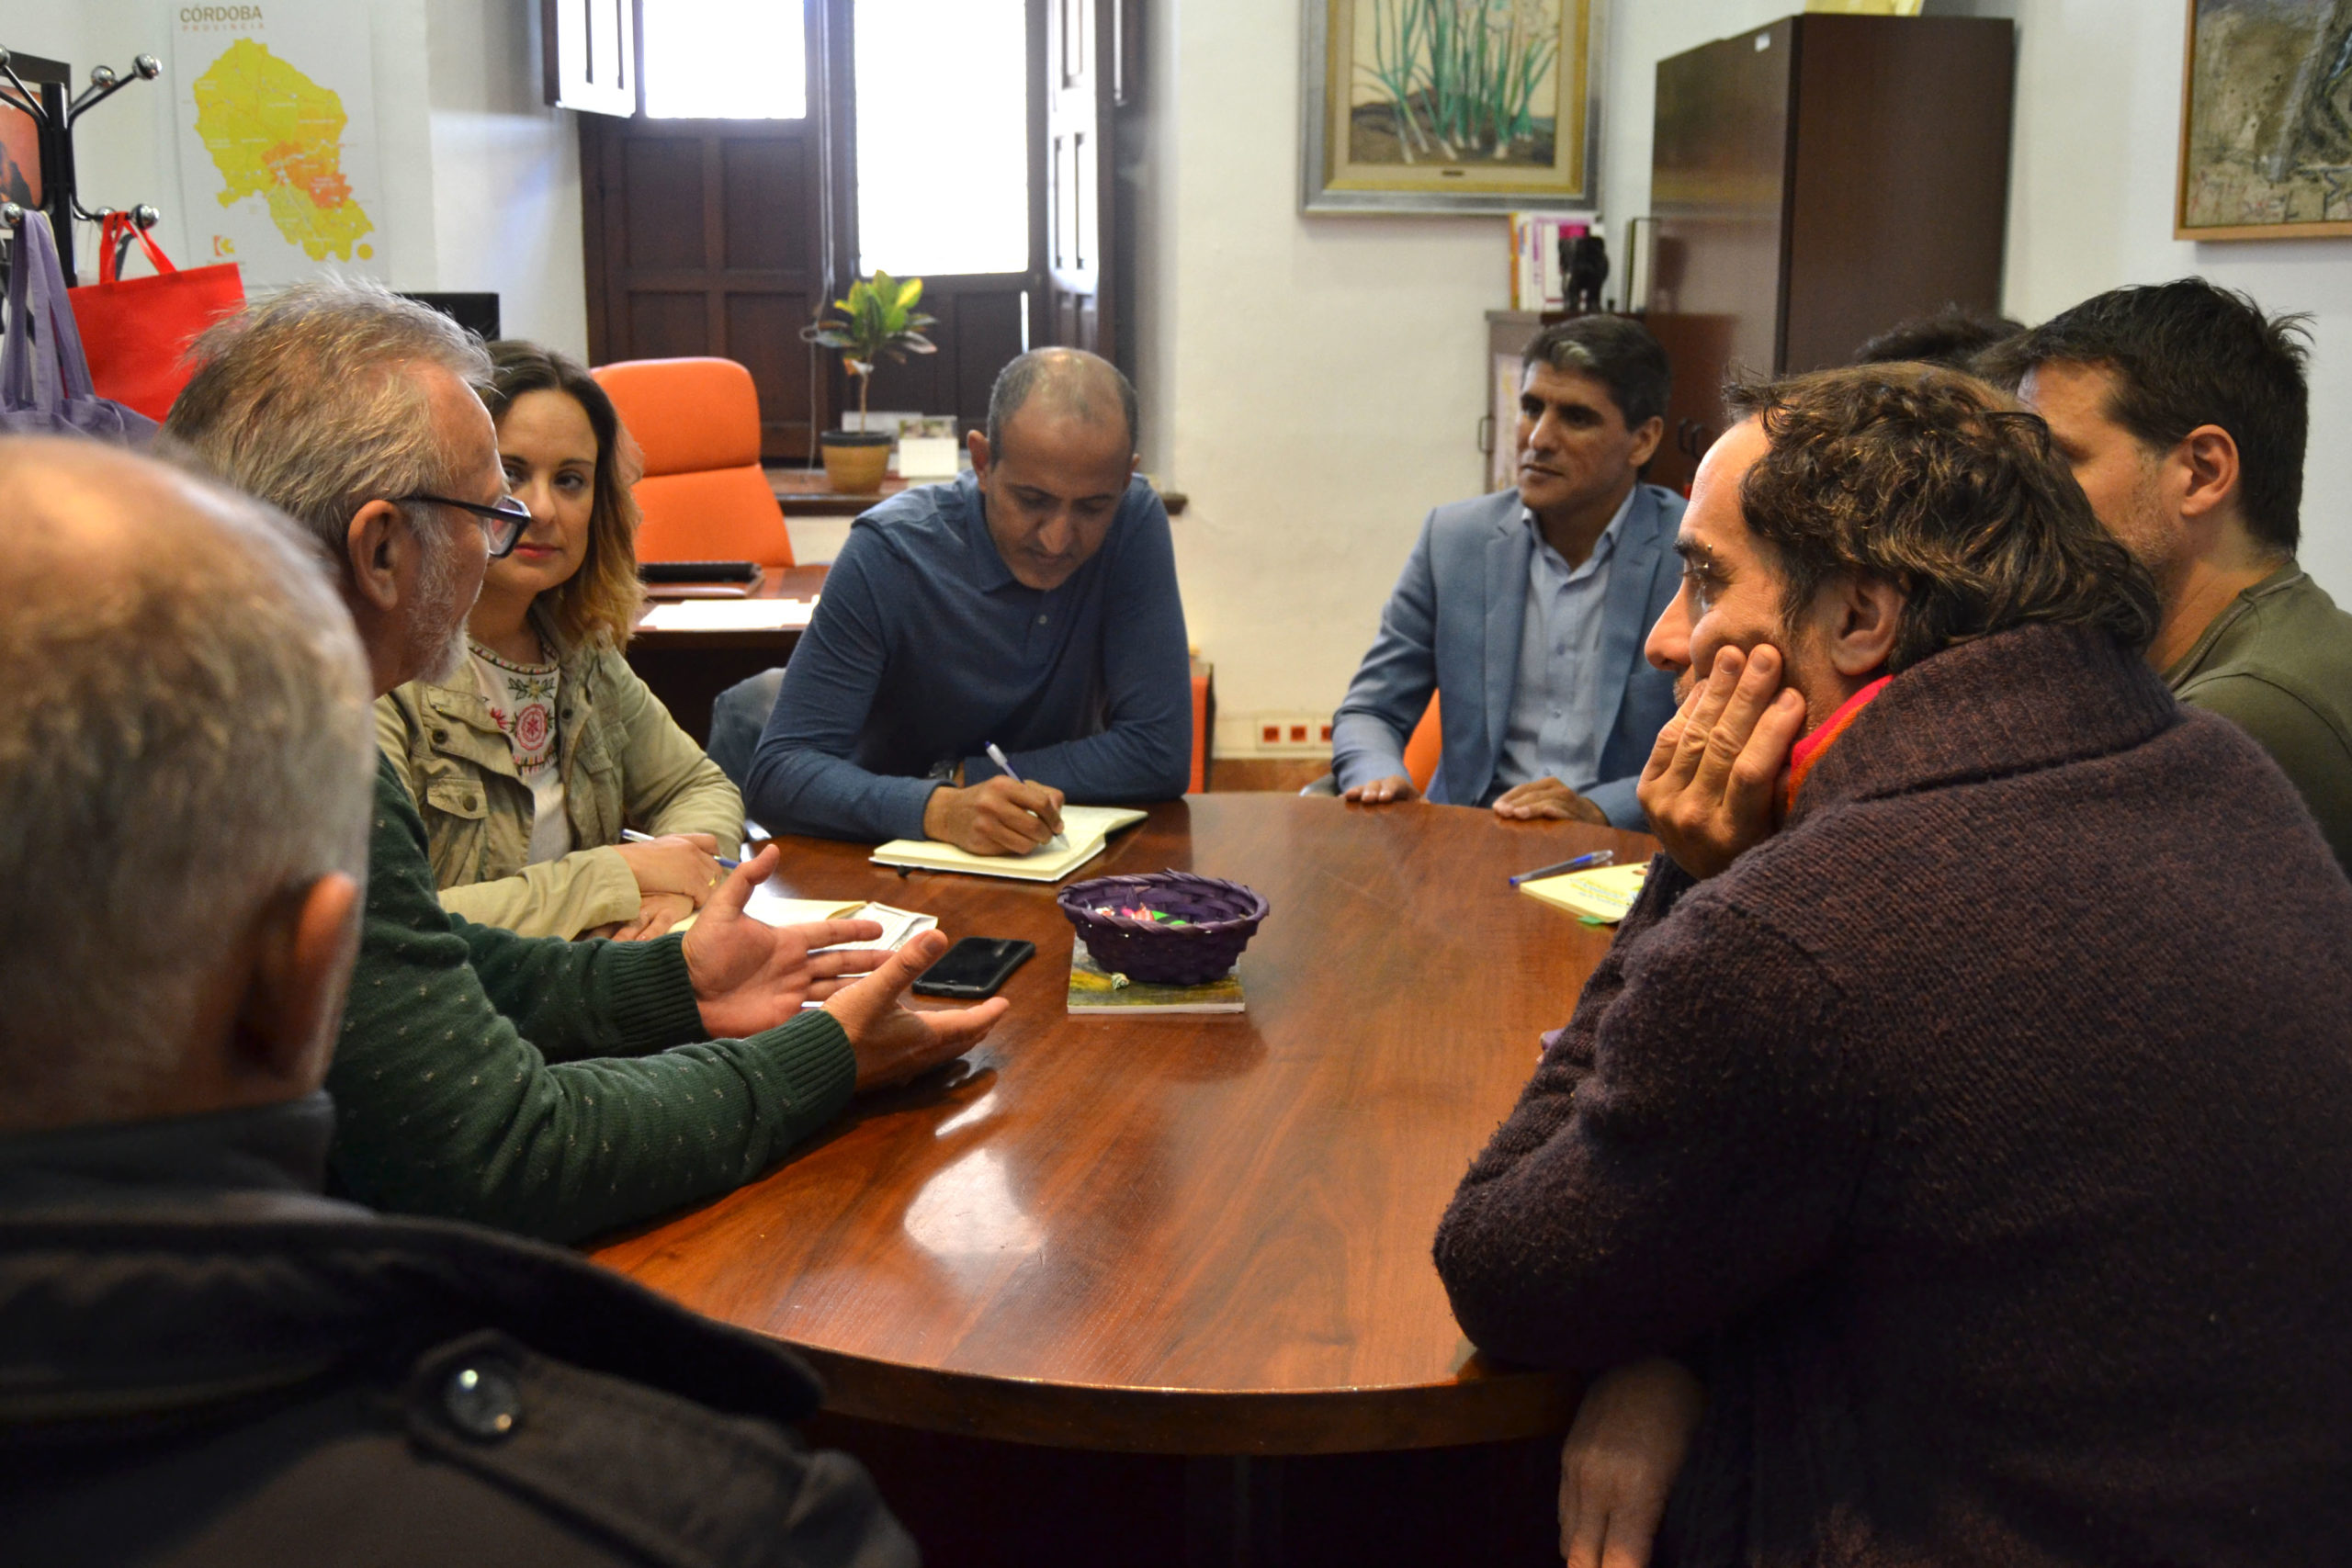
(1592,399)
(336,401)
(1863,520)
(185,749)
(2181,410)
(1055,462)
(1951,337)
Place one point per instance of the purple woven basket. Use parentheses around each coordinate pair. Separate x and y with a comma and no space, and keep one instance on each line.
(1224,915)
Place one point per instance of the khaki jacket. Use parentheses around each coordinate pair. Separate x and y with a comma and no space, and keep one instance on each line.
(626,765)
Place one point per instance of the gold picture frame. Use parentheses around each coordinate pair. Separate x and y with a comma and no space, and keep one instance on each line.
(1450,105)
(2265,122)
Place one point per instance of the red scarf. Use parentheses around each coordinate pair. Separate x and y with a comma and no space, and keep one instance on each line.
(1808,749)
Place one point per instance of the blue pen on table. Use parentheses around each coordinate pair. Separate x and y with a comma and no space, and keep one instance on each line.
(1057,841)
(1582,862)
(634,836)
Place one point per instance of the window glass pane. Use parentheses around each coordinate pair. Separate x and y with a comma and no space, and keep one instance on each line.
(725,60)
(943,136)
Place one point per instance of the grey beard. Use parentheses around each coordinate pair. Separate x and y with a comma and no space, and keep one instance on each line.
(440,621)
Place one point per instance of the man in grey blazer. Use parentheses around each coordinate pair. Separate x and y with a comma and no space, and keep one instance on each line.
(1528,608)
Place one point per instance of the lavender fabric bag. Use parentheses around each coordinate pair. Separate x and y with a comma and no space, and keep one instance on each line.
(44,381)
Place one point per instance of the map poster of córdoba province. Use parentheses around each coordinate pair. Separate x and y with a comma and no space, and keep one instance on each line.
(275,118)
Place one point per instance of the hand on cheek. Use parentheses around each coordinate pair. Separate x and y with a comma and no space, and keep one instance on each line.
(1712,784)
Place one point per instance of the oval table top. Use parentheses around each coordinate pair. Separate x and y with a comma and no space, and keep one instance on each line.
(1178,1234)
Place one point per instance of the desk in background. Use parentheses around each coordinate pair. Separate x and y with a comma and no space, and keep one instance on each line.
(1160,1290)
(687,669)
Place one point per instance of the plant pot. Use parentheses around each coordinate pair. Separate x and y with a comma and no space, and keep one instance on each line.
(856,460)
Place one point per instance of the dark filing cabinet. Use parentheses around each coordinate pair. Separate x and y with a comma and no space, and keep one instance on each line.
(1815,181)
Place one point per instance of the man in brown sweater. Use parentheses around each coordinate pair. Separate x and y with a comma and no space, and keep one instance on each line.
(1967,1102)
(2182,411)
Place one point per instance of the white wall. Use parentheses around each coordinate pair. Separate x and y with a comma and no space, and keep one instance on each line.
(2094,158)
(1314,385)
(481,183)
(505,173)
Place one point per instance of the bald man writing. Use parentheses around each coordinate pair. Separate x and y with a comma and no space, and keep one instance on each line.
(1031,604)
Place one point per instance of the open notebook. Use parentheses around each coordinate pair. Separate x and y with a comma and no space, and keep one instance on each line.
(1603,895)
(1086,827)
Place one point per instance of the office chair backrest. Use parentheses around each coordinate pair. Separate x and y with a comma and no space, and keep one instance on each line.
(1426,747)
(704,494)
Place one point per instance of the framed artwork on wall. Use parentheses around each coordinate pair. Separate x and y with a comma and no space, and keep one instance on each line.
(2266,120)
(1450,106)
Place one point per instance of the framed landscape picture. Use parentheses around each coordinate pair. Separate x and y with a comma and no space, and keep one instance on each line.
(2266,120)
(1450,106)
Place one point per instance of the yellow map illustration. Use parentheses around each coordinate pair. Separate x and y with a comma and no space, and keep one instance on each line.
(274,133)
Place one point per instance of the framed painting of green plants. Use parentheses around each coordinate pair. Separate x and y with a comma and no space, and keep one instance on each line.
(1450,106)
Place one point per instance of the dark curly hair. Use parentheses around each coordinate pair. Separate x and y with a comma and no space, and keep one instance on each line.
(2184,354)
(1942,485)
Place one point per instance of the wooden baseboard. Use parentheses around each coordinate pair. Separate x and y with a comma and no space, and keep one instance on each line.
(1288,775)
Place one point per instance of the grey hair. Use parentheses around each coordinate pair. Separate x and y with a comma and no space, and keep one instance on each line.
(186,736)
(1616,351)
(1068,376)
(308,399)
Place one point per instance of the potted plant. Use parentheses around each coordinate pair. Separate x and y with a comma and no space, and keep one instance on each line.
(878,319)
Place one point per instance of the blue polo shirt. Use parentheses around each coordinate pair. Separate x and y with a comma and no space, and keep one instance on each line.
(925,647)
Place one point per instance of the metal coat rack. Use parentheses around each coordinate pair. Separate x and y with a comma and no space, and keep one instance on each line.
(43,98)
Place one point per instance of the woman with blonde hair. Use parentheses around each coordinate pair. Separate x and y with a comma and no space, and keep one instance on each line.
(528,765)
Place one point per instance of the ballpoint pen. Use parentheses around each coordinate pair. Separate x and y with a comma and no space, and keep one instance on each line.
(1059,842)
(634,836)
(1582,862)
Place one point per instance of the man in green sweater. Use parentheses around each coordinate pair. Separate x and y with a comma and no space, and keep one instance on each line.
(2184,414)
(549,1088)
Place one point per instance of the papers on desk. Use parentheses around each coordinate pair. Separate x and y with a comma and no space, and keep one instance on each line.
(898,926)
(730,615)
(1086,827)
(1603,895)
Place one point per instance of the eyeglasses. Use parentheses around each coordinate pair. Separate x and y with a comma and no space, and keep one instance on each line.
(502,520)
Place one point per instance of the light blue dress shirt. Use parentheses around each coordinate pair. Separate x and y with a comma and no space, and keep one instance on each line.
(1552,732)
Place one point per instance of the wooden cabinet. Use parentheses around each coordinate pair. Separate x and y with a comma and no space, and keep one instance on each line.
(1817,181)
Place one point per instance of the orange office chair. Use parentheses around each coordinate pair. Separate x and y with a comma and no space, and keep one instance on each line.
(1423,751)
(704,494)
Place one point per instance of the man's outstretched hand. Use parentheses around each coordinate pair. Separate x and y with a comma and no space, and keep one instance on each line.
(749,976)
(1713,782)
(892,1042)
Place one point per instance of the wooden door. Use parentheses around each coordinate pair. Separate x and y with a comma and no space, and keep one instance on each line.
(705,236)
(1899,177)
(1082,37)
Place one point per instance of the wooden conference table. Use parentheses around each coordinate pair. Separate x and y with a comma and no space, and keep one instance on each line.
(1200,1237)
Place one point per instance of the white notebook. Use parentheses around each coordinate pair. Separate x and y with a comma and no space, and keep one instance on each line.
(1085,828)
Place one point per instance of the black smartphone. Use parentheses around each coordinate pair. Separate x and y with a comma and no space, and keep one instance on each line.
(975,967)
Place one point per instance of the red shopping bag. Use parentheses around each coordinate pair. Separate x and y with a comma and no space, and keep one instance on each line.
(136,330)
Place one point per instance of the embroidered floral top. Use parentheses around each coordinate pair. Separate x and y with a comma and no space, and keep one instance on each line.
(522,704)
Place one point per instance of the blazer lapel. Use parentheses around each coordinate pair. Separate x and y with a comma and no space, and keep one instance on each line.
(1507,550)
(1625,609)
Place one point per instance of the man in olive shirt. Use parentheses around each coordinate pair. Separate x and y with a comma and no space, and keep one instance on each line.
(2183,411)
(551,1087)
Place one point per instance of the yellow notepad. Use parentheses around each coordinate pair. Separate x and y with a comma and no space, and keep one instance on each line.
(1605,893)
(1085,826)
